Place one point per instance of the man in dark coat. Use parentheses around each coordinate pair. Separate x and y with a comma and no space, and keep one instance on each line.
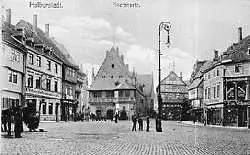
(147,123)
(134,119)
(116,117)
(9,114)
(4,122)
(140,123)
(18,122)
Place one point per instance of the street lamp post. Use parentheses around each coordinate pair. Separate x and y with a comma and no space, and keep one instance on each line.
(162,26)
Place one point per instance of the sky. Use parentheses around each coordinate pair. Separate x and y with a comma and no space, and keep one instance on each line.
(88,28)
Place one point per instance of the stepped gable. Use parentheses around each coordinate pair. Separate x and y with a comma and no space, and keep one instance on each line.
(147,81)
(113,66)
(7,35)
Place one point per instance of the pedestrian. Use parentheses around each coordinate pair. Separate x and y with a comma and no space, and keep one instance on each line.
(140,123)
(4,122)
(116,117)
(9,114)
(147,123)
(18,122)
(134,119)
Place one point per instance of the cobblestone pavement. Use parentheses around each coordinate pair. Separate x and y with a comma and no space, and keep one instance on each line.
(108,138)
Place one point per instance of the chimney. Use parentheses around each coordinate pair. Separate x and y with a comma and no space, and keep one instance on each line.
(181,75)
(47,30)
(240,33)
(8,16)
(216,55)
(122,57)
(34,23)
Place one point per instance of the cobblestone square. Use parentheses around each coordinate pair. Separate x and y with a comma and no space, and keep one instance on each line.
(103,138)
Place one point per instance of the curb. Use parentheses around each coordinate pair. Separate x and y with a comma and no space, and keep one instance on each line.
(214,126)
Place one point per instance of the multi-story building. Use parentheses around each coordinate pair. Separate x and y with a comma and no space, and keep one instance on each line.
(195,91)
(174,94)
(43,71)
(12,59)
(69,83)
(115,89)
(226,86)
(81,91)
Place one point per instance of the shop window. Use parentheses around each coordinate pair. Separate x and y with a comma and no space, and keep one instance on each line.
(50,108)
(44,108)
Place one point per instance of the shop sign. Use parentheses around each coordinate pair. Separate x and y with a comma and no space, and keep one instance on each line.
(43,92)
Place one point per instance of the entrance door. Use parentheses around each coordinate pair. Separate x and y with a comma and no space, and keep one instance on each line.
(242,117)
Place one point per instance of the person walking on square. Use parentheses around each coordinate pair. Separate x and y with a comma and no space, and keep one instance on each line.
(140,123)
(9,121)
(147,123)
(116,117)
(4,122)
(18,122)
(134,119)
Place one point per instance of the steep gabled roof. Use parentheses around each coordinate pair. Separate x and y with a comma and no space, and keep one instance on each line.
(172,78)
(113,65)
(238,51)
(7,35)
(40,38)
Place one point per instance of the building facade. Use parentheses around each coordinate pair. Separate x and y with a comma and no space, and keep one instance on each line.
(114,89)
(174,94)
(43,84)
(195,91)
(13,59)
(226,86)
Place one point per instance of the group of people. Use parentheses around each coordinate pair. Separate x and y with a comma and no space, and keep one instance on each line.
(139,119)
(7,119)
